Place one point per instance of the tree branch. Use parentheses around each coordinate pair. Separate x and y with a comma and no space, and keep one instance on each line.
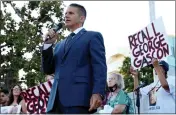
(16,11)
(3,46)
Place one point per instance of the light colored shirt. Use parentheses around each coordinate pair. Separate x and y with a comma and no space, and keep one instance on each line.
(46,46)
(158,100)
(77,30)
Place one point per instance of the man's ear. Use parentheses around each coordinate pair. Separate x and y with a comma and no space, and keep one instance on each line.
(82,19)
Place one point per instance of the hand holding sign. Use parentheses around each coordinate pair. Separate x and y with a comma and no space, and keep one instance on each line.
(155,62)
(133,72)
(36,98)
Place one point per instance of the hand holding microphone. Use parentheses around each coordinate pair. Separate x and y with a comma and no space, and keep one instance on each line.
(52,35)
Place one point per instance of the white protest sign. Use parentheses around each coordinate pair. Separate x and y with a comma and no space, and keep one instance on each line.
(36,97)
(148,43)
(11,109)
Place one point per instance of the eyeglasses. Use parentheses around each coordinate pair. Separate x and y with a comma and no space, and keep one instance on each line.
(111,78)
(16,89)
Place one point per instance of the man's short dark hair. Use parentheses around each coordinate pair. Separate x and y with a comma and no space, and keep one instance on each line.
(5,91)
(81,9)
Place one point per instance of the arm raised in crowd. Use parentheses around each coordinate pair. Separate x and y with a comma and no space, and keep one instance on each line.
(161,74)
(135,75)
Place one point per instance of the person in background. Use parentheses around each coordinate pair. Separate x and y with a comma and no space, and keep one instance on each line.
(161,94)
(16,99)
(117,98)
(4,97)
(13,110)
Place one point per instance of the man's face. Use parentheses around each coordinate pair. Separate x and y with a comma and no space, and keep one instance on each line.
(112,80)
(72,17)
(4,97)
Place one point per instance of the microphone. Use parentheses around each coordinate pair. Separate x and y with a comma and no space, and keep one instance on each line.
(140,86)
(57,28)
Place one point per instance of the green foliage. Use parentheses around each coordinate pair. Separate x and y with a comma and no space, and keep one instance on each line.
(22,35)
(145,74)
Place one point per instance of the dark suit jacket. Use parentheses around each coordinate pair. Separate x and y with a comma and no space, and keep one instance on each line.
(80,71)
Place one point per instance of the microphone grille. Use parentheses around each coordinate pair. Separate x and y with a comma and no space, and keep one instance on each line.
(60,25)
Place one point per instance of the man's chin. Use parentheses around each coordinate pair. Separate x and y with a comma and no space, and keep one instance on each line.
(67,25)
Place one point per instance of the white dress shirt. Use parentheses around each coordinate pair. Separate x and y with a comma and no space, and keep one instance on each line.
(46,46)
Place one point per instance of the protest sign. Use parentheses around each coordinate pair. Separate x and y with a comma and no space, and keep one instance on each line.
(36,97)
(11,109)
(148,43)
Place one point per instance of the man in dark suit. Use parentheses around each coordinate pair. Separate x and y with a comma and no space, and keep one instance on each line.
(79,65)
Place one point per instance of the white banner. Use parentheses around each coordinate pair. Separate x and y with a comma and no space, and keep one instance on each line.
(36,97)
(11,109)
(148,43)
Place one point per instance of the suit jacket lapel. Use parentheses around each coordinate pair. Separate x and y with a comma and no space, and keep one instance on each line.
(76,37)
(63,48)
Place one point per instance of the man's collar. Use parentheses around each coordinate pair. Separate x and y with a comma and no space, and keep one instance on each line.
(77,30)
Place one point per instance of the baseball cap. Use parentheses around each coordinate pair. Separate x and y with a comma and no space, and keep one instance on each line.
(164,64)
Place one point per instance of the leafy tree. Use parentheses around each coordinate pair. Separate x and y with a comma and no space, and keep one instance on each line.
(145,74)
(22,35)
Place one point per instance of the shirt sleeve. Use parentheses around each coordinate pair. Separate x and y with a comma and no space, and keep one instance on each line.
(46,46)
(121,99)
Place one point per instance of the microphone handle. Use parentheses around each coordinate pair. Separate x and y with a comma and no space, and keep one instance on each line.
(48,37)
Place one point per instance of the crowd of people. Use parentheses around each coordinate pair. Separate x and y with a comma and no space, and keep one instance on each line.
(80,75)
(115,96)
(13,97)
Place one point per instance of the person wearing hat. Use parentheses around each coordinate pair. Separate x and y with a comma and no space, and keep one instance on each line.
(160,94)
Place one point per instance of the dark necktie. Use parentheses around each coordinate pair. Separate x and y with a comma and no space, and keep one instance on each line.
(69,38)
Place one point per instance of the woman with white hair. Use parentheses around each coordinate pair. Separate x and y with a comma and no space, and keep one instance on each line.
(117,98)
